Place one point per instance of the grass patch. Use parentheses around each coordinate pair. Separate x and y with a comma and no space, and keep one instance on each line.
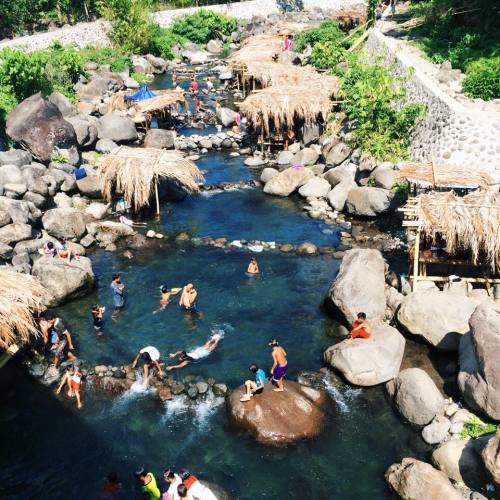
(475,428)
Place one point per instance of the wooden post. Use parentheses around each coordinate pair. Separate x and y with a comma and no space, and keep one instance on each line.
(157,196)
(5,357)
(416,258)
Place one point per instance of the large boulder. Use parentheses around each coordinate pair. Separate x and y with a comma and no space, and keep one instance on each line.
(19,211)
(267,174)
(491,457)
(338,195)
(63,279)
(459,460)
(215,47)
(315,188)
(195,56)
(306,157)
(286,182)
(225,115)
(116,127)
(360,285)
(284,158)
(159,138)
(90,186)
(368,362)
(384,175)
(12,233)
(142,65)
(86,132)
(106,146)
(336,154)
(415,480)
(39,127)
(370,201)
(342,173)
(96,89)
(280,418)
(440,318)
(65,223)
(479,374)
(63,104)
(16,157)
(437,431)
(415,396)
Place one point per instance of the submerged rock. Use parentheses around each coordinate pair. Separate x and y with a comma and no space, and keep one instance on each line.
(415,480)
(279,418)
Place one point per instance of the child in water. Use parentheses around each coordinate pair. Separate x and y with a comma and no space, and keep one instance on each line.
(74,381)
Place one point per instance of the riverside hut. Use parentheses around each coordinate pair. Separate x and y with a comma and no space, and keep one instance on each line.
(137,173)
(21,297)
(465,232)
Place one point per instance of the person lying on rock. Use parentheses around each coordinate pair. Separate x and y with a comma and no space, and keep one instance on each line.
(256,387)
(280,365)
(360,328)
(253,266)
(185,358)
(150,357)
(73,379)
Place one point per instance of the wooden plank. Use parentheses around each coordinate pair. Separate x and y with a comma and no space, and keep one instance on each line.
(469,280)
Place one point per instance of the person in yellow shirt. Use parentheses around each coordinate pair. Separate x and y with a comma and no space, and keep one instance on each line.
(150,489)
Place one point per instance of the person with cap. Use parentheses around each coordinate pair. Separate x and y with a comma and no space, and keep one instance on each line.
(150,489)
(151,358)
(173,480)
(194,487)
(280,365)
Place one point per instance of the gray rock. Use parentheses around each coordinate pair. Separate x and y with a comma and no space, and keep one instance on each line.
(87,241)
(440,318)
(202,387)
(105,146)
(96,89)
(416,396)
(90,186)
(159,138)
(254,161)
(437,431)
(415,480)
(116,127)
(64,280)
(97,210)
(369,201)
(367,164)
(142,65)
(284,158)
(4,218)
(460,462)
(225,116)
(384,175)
(10,174)
(337,154)
(220,390)
(159,64)
(491,457)
(5,251)
(306,156)
(360,285)
(130,83)
(39,127)
(64,223)
(15,190)
(63,104)
(215,47)
(286,182)
(479,374)
(343,173)
(267,174)
(315,188)
(369,362)
(310,133)
(16,157)
(86,132)
(37,199)
(12,233)
(195,56)
(338,195)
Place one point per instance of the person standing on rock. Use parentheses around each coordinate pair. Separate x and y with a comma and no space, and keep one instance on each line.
(150,489)
(256,387)
(117,291)
(193,87)
(253,266)
(361,328)
(151,357)
(280,365)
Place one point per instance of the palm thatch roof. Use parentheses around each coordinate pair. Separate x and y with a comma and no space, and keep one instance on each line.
(21,296)
(256,48)
(471,222)
(281,105)
(135,171)
(443,175)
(163,99)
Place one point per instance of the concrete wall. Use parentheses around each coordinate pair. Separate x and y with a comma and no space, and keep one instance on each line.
(95,33)
(452,132)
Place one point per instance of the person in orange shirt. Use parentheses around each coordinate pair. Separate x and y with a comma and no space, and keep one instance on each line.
(361,327)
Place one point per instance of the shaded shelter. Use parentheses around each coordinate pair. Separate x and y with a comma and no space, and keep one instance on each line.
(136,172)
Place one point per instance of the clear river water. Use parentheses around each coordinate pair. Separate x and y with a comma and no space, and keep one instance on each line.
(49,450)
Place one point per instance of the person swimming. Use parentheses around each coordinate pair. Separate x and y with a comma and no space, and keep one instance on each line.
(203,351)
(188,298)
(253,266)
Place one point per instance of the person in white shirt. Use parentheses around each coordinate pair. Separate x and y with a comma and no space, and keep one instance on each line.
(194,488)
(150,357)
(173,481)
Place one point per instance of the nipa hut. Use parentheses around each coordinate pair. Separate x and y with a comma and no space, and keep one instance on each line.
(469,225)
(21,297)
(136,172)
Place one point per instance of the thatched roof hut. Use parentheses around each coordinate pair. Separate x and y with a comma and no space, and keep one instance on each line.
(444,176)
(135,172)
(21,296)
(163,100)
(282,105)
(470,222)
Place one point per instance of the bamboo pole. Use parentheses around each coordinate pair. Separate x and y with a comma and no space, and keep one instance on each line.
(157,196)
(416,258)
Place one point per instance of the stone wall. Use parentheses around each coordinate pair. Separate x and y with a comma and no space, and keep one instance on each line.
(95,33)
(452,132)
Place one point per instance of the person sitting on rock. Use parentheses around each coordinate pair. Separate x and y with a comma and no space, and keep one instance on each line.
(61,342)
(200,352)
(48,249)
(150,357)
(361,328)
(253,267)
(73,379)
(194,487)
(256,387)
(280,365)
(63,250)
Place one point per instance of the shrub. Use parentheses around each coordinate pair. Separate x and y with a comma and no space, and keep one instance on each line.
(326,55)
(474,428)
(117,59)
(483,79)
(204,25)
(162,40)
(373,102)
(328,31)
(140,78)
